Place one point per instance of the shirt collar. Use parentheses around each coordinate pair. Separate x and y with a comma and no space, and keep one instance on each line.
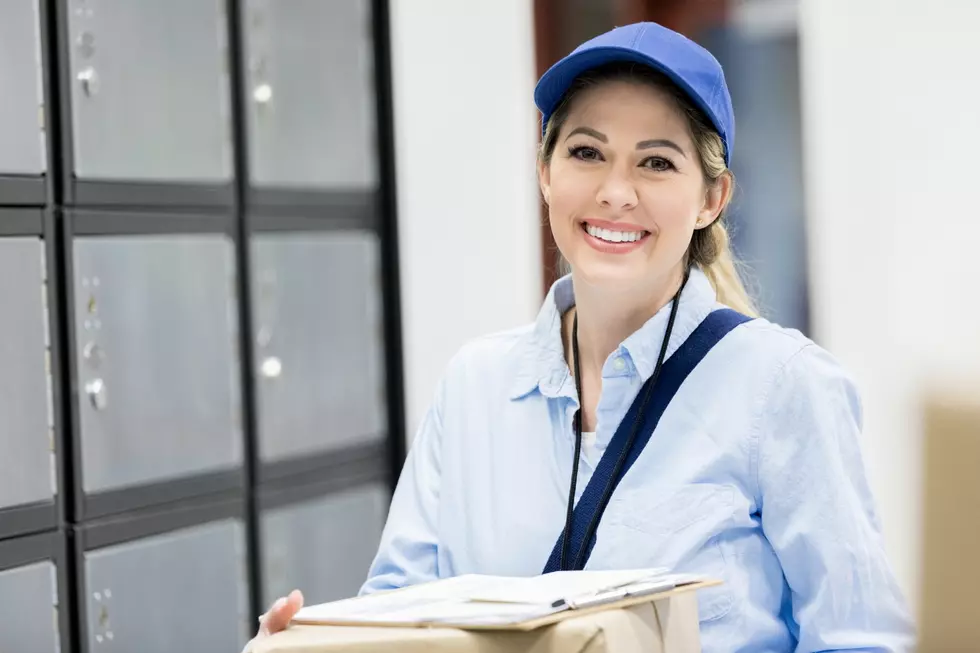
(539,357)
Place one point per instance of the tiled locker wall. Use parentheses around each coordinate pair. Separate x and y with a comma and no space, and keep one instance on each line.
(203,387)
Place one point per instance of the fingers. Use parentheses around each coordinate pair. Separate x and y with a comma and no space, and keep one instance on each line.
(294,602)
(281,612)
(266,620)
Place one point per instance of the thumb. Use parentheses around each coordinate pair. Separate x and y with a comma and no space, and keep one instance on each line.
(282,612)
(268,617)
(294,603)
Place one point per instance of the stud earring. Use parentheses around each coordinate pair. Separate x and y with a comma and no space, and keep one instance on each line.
(699,223)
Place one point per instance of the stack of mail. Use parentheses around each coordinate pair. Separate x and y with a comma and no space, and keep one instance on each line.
(480,601)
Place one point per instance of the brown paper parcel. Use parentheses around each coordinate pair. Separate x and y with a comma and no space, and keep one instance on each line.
(663,623)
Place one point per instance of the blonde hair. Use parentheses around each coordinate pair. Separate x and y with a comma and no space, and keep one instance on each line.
(710,247)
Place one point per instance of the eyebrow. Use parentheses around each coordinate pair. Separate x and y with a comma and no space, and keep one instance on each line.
(588,131)
(642,145)
(660,142)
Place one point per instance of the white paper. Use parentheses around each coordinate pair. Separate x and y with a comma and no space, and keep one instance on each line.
(476,599)
(373,608)
(556,586)
(413,610)
(475,612)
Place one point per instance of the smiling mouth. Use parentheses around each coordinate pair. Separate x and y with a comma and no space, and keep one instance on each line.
(614,236)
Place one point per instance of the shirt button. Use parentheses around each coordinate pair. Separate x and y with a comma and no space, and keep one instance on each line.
(619,364)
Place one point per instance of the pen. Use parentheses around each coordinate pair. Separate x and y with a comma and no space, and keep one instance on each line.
(617,594)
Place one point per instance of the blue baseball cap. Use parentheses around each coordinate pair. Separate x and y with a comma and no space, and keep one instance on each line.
(686,63)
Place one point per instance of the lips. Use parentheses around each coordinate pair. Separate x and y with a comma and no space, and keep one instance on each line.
(613,237)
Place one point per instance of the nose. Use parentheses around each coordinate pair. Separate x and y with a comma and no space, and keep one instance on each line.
(616,192)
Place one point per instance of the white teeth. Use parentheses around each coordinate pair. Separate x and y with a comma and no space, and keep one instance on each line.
(611,236)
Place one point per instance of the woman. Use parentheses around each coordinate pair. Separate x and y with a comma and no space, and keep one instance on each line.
(711,441)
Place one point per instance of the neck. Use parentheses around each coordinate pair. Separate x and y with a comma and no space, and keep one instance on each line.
(606,319)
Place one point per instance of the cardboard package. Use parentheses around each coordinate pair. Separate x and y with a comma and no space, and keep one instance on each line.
(949,611)
(661,623)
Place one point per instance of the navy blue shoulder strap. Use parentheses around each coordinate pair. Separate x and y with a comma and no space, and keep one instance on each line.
(675,369)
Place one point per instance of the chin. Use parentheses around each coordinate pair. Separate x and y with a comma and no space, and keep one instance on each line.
(612,277)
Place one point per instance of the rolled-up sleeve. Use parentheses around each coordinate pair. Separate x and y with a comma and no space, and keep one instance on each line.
(408,552)
(819,515)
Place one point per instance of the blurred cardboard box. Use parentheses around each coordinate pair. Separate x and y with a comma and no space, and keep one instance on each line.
(949,615)
(665,623)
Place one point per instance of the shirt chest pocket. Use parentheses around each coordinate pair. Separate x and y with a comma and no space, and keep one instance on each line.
(680,530)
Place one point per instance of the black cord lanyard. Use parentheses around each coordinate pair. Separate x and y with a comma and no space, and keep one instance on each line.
(607,491)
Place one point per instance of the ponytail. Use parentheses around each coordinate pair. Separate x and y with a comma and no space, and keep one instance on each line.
(722,270)
(711,248)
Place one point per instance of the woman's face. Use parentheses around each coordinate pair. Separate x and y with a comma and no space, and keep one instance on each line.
(625,188)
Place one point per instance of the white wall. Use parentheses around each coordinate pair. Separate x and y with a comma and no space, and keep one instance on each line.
(891,90)
(465,136)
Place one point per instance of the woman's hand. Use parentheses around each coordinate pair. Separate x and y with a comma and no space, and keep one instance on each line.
(281,612)
(278,616)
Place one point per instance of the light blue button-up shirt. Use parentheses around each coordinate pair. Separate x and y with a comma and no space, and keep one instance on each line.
(753,476)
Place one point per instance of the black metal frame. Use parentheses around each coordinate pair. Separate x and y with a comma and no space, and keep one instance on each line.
(54,37)
(109,194)
(278,495)
(31,549)
(353,460)
(159,493)
(237,23)
(21,221)
(158,520)
(62,384)
(130,222)
(391,280)
(16,190)
(350,206)
(58,208)
(28,519)
(297,222)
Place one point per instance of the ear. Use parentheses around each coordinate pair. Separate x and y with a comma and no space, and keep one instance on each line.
(544,181)
(716,199)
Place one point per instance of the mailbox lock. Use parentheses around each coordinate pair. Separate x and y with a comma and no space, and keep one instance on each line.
(89,79)
(271,367)
(96,391)
(262,94)
(94,354)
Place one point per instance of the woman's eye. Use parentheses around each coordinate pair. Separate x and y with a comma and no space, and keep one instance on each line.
(658,163)
(585,153)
